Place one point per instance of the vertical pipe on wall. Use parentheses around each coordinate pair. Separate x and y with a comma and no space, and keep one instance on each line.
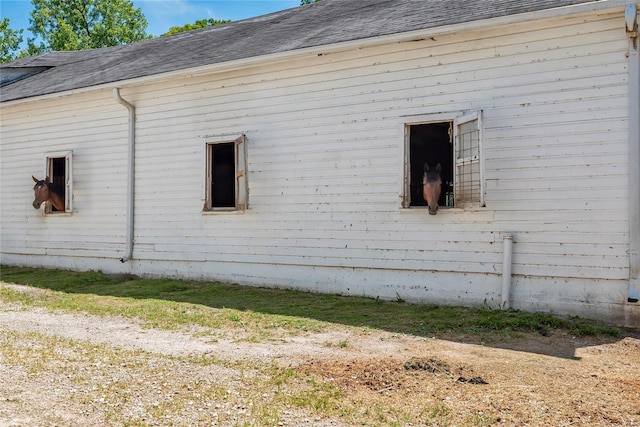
(631,22)
(507,252)
(130,172)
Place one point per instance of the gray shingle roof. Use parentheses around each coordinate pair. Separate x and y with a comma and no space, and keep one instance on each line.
(324,23)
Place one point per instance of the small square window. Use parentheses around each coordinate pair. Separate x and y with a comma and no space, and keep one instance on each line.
(226,181)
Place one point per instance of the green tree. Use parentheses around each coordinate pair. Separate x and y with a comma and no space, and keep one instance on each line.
(303,2)
(84,24)
(200,23)
(9,41)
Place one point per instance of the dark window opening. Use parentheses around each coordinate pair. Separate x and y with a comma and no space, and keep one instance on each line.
(431,143)
(223,175)
(58,176)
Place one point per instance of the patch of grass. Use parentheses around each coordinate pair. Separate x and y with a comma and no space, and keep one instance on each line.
(586,327)
(54,279)
(318,396)
(436,413)
(343,344)
(516,321)
(340,344)
(481,420)
(261,312)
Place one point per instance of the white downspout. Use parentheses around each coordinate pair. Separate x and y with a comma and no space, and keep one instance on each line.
(631,21)
(507,251)
(130,172)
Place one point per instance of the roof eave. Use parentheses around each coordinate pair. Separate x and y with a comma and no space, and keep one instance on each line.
(410,36)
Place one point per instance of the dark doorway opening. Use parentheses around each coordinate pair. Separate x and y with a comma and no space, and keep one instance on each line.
(431,143)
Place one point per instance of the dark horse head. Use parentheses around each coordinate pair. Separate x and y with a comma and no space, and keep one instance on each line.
(431,187)
(46,191)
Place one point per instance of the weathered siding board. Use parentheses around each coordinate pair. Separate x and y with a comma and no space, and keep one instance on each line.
(325,149)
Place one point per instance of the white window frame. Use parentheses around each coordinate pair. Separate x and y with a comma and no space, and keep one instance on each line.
(457,119)
(241,185)
(68,178)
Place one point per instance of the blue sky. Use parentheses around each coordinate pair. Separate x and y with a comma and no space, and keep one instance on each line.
(163,14)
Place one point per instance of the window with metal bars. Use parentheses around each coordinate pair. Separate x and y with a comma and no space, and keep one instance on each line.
(469,170)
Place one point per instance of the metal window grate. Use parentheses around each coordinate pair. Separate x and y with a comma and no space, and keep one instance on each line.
(468,180)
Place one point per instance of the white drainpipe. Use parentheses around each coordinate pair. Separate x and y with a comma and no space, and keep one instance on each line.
(130,172)
(507,252)
(631,22)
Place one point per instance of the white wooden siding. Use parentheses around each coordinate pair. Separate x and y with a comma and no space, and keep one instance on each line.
(95,130)
(325,170)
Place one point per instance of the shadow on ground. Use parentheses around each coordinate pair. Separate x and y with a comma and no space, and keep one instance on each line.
(531,332)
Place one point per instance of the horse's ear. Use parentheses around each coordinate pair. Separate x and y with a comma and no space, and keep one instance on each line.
(47,180)
(34,178)
(438,167)
(426,167)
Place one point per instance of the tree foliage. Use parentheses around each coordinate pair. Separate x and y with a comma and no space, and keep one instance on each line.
(85,24)
(9,41)
(200,23)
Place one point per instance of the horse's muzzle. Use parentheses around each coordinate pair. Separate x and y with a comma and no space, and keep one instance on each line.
(433,210)
(36,204)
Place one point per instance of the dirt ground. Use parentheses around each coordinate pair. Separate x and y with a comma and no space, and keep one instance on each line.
(76,370)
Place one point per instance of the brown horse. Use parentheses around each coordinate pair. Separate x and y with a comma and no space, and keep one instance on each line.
(46,191)
(431,187)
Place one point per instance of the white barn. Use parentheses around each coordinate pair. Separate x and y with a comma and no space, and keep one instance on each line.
(287,150)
